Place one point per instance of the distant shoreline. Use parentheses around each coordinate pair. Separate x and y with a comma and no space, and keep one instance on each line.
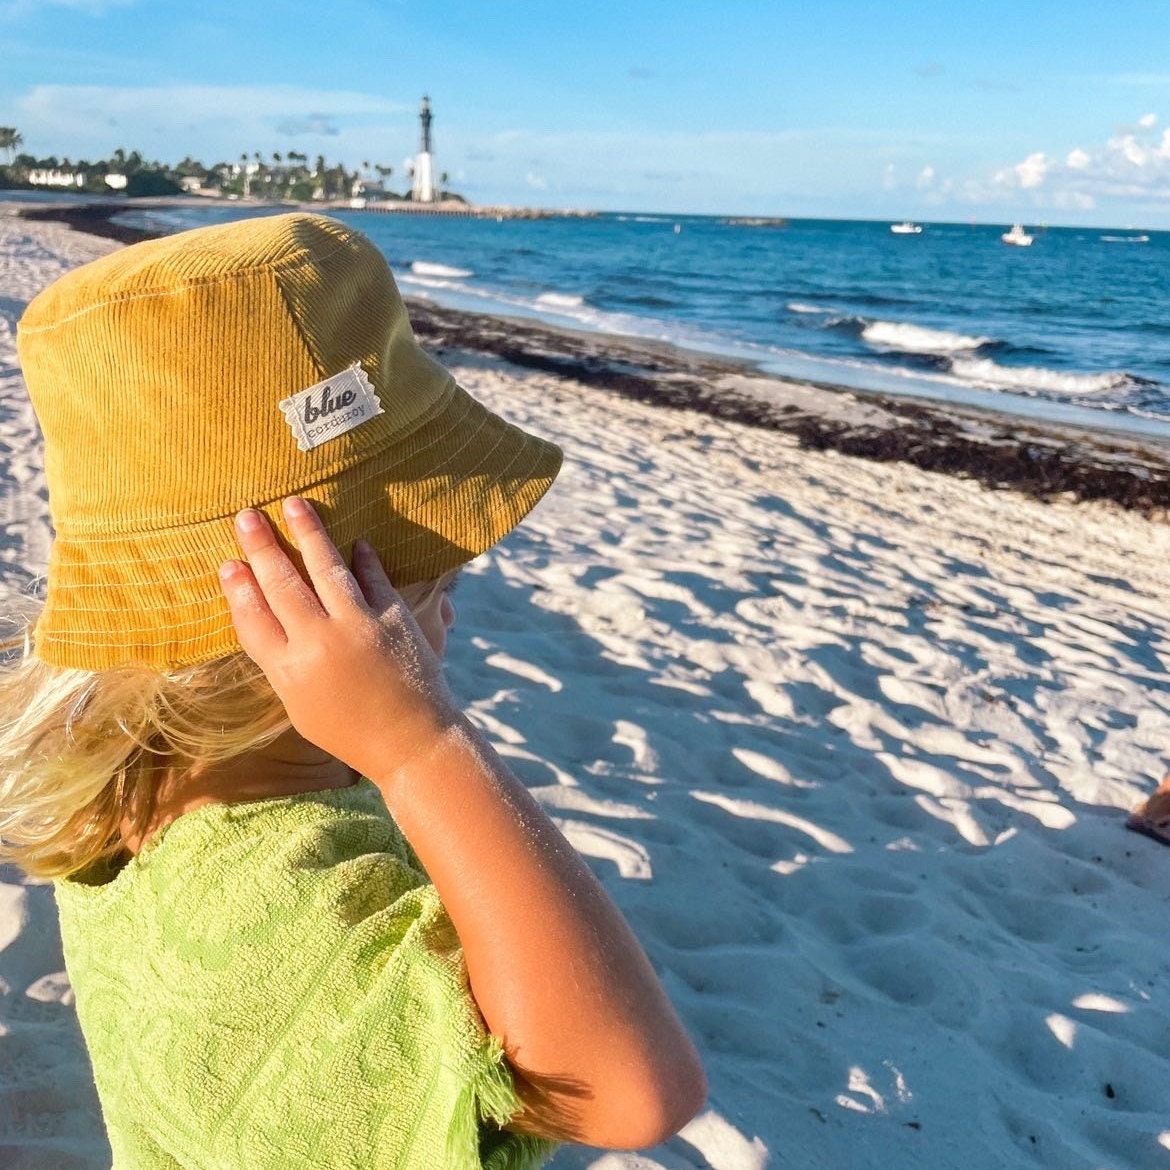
(739,218)
(999,450)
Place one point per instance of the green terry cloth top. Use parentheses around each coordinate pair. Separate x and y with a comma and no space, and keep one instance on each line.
(275,984)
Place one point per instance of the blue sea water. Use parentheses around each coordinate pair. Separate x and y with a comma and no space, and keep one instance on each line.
(1079,319)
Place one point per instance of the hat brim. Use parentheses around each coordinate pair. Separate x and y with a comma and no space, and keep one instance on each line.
(429,502)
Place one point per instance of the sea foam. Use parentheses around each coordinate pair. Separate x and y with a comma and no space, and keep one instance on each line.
(554,300)
(983,372)
(895,335)
(425,268)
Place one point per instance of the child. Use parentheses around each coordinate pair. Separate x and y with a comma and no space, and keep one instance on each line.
(310,918)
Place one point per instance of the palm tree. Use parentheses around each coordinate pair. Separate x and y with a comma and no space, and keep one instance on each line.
(10,139)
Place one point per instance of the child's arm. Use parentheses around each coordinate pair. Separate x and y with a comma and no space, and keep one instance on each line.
(599,1053)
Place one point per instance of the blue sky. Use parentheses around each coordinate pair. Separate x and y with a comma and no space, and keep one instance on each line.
(996,111)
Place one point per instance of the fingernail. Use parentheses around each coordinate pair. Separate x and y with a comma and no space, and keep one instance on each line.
(228,570)
(249,520)
(295,507)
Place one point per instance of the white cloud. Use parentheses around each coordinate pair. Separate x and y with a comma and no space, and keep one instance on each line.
(1032,170)
(768,172)
(815,170)
(1129,148)
(16,9)
(1026,175)
(1133,165)
(212,120)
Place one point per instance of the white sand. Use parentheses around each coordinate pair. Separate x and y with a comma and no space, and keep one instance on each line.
(850,745)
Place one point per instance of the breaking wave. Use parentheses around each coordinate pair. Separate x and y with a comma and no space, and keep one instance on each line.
(425,268)
(964,357)
(553,300)
(984,372)
(892,335)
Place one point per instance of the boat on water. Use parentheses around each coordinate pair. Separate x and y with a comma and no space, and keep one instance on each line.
(906,228)
(1142,239)
(1017,236)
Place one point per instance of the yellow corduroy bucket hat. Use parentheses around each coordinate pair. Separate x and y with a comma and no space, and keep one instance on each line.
(180,380)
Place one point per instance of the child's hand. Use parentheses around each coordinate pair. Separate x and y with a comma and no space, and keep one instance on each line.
(599,1055)
(342,652)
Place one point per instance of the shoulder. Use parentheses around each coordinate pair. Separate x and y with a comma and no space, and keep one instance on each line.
(240,868)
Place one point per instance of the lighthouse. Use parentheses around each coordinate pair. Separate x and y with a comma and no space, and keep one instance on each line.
(424,184)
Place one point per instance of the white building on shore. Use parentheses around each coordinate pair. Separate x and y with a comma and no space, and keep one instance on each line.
(43,177)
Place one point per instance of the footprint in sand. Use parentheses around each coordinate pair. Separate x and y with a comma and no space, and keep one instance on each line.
(526,670)
(630,735)
(902,971)
(629,857)
(761,830)
(1064,1053)
(770,768)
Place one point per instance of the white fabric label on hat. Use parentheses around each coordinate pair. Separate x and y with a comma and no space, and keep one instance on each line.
(331,408)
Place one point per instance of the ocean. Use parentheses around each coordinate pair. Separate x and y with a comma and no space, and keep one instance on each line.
(1080,319)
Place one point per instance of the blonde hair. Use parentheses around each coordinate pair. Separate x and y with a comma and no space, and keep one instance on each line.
(81,751)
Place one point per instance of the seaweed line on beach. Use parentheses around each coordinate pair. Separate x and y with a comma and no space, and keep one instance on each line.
(1040,460)
(96,219)
(1043,464)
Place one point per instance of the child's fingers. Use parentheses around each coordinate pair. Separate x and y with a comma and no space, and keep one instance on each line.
(256,625)
(287,594)
(328,572)
(371,576)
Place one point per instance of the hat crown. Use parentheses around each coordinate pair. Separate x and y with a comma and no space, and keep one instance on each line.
(162,376)
(157,372)
(164,265)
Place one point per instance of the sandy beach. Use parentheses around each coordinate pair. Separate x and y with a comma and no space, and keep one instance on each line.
(849,740)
